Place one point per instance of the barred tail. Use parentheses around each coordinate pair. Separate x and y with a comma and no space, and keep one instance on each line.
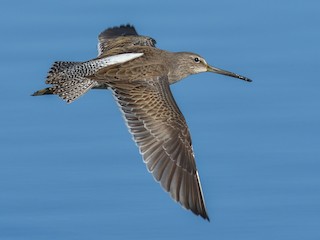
(55,69)
(66,81)
(71,89)
(70,79)
(68,90)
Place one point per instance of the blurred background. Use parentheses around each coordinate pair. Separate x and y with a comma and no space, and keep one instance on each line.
(73,172)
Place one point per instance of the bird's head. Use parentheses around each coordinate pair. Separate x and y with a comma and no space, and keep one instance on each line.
(191,63)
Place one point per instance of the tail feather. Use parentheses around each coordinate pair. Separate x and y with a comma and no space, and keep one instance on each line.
(57,68)
(45,91)
(70,90)
(70,80)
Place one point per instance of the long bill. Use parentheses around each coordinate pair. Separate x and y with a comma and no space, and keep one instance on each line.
(227,73)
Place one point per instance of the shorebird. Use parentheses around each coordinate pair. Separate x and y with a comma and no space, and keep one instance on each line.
(139,75)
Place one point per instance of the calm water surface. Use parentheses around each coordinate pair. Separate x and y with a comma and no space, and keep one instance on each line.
(72,172)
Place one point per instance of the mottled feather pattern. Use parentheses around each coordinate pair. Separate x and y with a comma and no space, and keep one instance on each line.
(58,67)
(70,90)
(70,70)
(70,79)
(159,130)
(122,43)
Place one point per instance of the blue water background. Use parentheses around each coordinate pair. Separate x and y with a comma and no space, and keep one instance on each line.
(73,172)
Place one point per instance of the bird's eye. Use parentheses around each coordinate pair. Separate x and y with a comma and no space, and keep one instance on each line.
(196,59)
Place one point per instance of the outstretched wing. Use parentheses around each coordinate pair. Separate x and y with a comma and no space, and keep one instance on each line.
(122,37)
(161,133)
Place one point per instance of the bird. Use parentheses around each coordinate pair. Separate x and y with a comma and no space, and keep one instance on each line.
(139,75)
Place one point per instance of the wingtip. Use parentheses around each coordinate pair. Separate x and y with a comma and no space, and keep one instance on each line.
(205,217)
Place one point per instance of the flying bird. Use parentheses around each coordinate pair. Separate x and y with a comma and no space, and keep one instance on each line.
(139,76)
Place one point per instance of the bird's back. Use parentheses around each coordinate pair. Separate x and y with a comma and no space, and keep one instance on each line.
(153,63)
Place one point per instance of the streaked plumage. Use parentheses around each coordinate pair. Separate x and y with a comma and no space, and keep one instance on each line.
(140,85)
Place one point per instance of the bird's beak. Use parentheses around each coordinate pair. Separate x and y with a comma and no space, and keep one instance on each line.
(227,73)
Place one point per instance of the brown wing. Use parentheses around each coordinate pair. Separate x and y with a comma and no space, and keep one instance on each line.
(161,133)
(122,37)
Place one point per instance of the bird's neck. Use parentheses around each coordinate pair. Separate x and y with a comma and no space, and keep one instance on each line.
(177,71)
